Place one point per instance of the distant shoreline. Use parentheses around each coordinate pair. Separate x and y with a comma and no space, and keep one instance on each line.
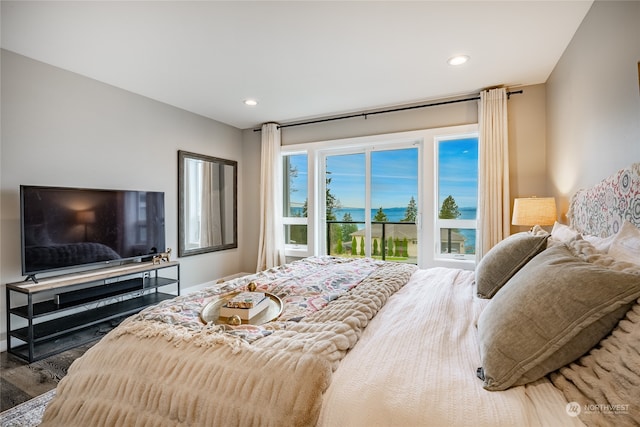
(393,214)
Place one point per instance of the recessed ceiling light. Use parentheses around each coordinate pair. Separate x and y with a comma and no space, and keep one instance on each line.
(458,60)
(250,102)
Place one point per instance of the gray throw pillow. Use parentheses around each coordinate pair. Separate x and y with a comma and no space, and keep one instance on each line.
(554,310)
(506,258)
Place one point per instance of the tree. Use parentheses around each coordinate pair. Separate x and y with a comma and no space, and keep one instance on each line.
(331,201)
(389,248)
(335,231)
(362,253)
(449,209)
(339,248)
(293,173)
(375,248)
(354,243)
(411,212)
(348,229)
(380,216)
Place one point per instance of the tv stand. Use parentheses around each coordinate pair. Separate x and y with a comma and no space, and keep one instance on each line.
(31,277)
(54,314)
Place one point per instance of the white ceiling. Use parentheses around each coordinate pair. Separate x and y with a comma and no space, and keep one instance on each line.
(299,59)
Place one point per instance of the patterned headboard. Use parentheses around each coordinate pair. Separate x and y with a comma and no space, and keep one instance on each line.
(601,210)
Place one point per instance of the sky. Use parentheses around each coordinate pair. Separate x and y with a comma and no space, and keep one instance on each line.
(395,176)
(458,171)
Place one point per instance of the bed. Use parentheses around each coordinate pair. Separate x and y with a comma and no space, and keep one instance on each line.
(544,333)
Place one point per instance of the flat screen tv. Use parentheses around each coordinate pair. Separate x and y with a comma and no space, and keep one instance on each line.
(63,228)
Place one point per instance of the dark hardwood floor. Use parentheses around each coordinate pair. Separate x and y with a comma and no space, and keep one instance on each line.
(21,381)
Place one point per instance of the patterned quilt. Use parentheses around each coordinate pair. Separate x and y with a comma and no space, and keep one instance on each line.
(304,286)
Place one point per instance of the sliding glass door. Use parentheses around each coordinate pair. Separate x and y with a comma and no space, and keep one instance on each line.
(371,204)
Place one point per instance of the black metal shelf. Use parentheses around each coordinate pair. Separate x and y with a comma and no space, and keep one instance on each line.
(44,349)
(109,296)
(70,323)
(48,307)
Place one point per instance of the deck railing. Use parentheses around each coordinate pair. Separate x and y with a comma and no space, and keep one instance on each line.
(395,241)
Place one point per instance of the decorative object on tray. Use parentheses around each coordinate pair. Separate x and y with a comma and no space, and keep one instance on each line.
(246,300)
(234,320)
(213,311)
(245,305)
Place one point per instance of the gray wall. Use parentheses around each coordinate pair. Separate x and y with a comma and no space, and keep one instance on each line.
(593,100)
(59,128)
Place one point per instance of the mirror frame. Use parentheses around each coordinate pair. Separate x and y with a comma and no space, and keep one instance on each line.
(182,250)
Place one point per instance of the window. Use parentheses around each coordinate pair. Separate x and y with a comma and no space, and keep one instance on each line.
(345,204)
(394,198)
(457,195)
(370,202)
(381,196)
(295,198)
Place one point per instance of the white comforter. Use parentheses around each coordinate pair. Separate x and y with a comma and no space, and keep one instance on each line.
(415,365)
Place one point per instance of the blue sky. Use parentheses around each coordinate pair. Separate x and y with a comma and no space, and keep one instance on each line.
(395,176)
(458,171)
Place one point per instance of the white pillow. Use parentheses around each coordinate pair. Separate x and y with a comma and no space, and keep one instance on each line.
(626,244)
(602,244)
(563,233)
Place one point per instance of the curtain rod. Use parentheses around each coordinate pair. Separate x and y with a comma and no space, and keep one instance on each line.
(392,110)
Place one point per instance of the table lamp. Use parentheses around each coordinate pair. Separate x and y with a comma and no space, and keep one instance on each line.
(532,211)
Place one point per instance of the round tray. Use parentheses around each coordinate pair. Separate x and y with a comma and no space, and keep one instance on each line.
(211,311)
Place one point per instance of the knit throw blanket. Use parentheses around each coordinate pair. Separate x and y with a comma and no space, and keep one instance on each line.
(604,385)
(149,371)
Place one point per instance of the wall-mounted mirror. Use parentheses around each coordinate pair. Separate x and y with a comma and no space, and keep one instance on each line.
(208,204)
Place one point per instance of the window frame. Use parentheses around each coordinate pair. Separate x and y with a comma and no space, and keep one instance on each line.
(298,250)
(466,261)
(427,218)
(366,150)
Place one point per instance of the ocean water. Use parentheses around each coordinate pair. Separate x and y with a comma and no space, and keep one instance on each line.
(397,214)
(393,214)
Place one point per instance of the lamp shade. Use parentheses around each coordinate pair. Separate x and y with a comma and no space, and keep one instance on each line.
(532,211)
(86,217)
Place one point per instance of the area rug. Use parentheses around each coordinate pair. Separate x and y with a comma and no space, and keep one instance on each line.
(27,414)
(21,382)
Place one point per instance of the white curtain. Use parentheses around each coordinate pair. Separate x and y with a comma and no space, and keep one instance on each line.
(210,225)
(493,170)
(271,244)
